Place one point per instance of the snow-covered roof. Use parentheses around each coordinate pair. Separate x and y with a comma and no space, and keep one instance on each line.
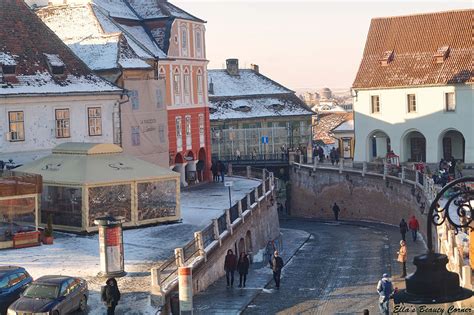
(276,106)
(7,59)
(345,126)
(325,124)
(33,48)
(95,37)
(248,82)
(116,9)
(153,9)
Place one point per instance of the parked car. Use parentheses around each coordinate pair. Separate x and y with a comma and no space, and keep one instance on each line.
(55,295)
(13,281)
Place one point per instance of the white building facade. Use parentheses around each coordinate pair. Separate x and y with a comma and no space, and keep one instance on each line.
(415,97)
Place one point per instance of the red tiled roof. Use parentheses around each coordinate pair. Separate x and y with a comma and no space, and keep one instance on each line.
(415,41)
(23,34)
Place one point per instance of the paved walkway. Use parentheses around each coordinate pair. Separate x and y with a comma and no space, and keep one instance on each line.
(218,299)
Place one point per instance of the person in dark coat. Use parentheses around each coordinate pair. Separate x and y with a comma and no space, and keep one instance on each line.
(385,290)
(336,155)
(230,265)
(403,228)
(220,170)
(336,211)
(332,156)
(276,263)
(243,268)
(215,177)
(111,295)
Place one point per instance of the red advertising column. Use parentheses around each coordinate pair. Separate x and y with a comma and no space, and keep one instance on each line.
(111,246)
(185,280)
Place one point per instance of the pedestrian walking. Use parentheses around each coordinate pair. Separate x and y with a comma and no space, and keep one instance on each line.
(237,154)
(110,295)
(385,289)
(336,154)
(414,227)
(276,263)
(230,264)
(220,170)
(214,171)
(243,268)
(332,156)
(402,257)
(336,211)
(403,228)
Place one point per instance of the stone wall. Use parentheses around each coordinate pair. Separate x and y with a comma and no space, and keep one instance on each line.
(263,226)
(369,197)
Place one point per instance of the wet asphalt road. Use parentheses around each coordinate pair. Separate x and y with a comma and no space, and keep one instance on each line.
(335,272)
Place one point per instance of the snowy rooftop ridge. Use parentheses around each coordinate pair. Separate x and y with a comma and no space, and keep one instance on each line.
(7,59)
(345,126)
(248,82)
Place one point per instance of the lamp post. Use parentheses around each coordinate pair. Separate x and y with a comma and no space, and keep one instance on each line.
(432,283)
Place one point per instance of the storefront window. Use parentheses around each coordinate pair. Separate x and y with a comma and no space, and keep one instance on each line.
(156,199)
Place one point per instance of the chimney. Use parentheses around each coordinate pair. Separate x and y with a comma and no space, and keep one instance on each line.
(211,87)
(442,53)
(255,68)
(232,66)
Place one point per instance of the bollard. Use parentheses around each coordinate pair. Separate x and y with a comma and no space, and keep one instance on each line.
(364,168)
(249,172)
(185,280)
(466,277)
(229,169)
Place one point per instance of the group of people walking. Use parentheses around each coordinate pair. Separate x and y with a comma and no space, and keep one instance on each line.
(242,264)
(218,170)
(384,286)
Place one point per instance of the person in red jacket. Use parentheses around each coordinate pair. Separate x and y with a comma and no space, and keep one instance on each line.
(414,227)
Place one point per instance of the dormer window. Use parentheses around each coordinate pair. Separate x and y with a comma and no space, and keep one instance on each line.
(55,64)
(277,106)
(387,57)
(7,64)
(442,53)
(243,108)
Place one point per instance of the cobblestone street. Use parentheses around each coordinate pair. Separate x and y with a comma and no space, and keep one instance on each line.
(337,270)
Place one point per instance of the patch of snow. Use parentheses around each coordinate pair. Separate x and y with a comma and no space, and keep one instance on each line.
(116,8)
(258,256)
(345,126)
(7,59)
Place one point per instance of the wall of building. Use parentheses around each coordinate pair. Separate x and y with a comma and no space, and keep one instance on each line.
(263,225)
(40,124)
(430,119)
(359,197)
(150,117)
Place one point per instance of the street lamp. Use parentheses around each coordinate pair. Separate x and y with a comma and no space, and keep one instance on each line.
(432,283)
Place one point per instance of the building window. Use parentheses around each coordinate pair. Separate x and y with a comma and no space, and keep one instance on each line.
(136,135)
(302,128)
(450,102)
(411,101)
(179,127)
(159,98)
(134,99)
(184,39)
(16,126)
(199,84)
(198,41)
(201,124)
(161,133)
(62,123)
(187,84)
(94,118)
(176,83)
(188,125)
(375,104)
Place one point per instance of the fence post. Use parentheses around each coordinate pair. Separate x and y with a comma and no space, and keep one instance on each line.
(249,172)
(263,182)
(156,295)
(340,167)
(179,256)
(228,222)
(403,175)
(385,170)
(272,180)
(239,206)
(200,244)
(229,169)
(364,168)
(249,205)
(217,237)
(256,198)
(315,164)
(466,277)
(417,178)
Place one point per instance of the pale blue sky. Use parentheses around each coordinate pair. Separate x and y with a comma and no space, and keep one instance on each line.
(301,44)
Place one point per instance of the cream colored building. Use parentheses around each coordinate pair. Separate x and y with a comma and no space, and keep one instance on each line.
(414,89)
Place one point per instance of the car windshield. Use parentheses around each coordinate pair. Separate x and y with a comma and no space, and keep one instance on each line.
(41,291)
(4,282)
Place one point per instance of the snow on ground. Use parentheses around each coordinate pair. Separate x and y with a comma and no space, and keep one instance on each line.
(76,255)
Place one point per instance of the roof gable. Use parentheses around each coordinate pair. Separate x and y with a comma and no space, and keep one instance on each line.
(159,9)
(415,41)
